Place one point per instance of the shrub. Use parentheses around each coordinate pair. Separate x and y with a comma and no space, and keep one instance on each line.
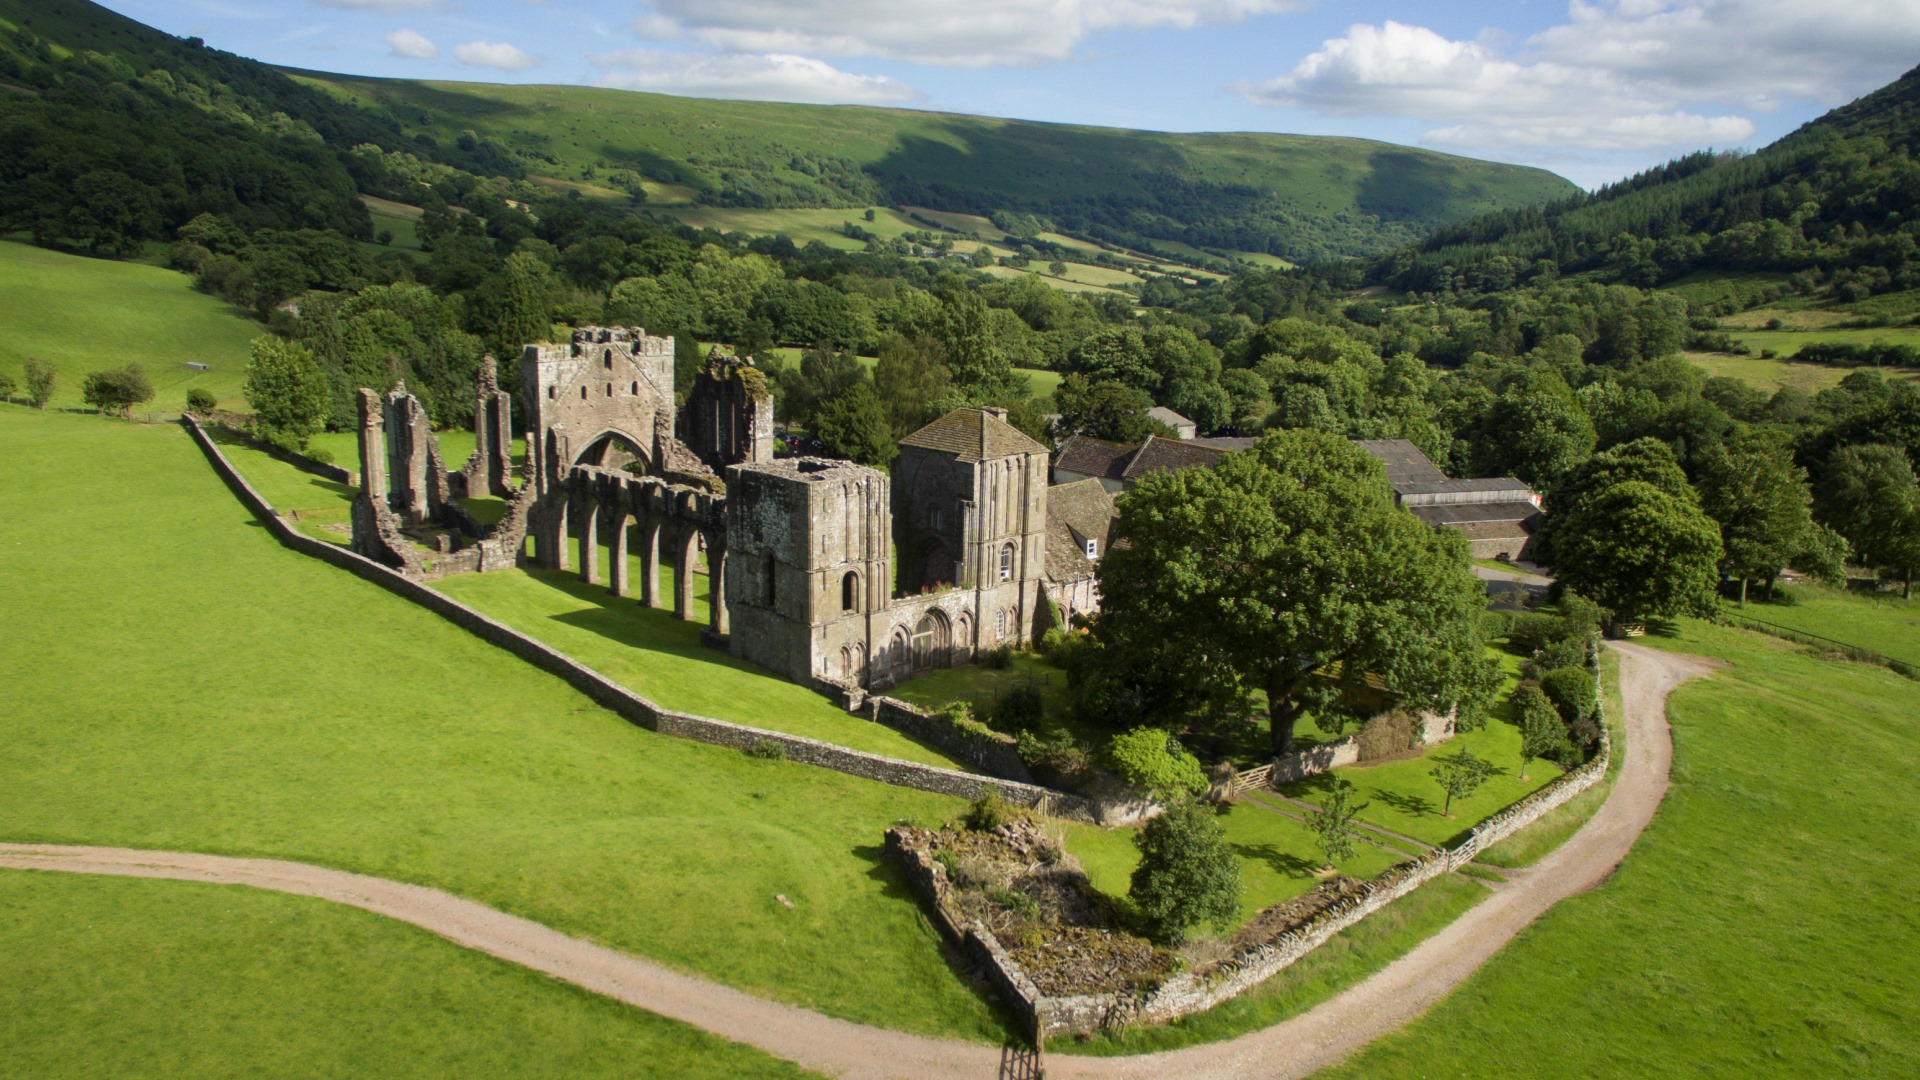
(1186,874)
(1057,757)
(1153,762)
(1572,692)
(201,401)
(117,390)
(1496,624)
(1000,657)
(1388,733)
(1584,617)
(39,381)
(6,387)
(1535,631)
(1565,653)
(960,715)
(1022,709)
(319,454)
(989,812)
(766,749)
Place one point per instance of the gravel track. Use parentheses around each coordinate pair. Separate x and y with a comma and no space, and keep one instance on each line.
(1392,997)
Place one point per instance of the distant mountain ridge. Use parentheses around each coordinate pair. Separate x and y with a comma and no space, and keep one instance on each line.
(1835,198)
(1303,198)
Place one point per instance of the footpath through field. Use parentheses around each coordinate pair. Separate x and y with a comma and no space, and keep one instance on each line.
(1308,1042)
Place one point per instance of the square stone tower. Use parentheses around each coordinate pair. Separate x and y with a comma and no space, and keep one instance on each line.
(809,566)
(970,507)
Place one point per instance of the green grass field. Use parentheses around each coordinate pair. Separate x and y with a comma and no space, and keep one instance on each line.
(660,657)
(1882,622)
(1762,925)
(84,315)
(1402,795)
(176,679)
(124,977)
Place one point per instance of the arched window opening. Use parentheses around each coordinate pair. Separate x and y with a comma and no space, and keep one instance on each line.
(552,392)
(999,624)
(606,358)
(1006,563)
(850,592)
(771,578)
(583,393)
(636,389)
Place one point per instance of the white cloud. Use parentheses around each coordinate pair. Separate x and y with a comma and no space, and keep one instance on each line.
(964,33)
(1619,75)
(412,44)
(768,77)
(494,54)
(387,6)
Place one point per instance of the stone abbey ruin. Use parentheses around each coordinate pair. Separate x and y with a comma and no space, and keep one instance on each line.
(832,574)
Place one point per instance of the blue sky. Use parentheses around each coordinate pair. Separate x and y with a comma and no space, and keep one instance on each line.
(1594,91)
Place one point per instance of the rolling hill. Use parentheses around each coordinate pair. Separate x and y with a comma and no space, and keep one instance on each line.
(1298,197)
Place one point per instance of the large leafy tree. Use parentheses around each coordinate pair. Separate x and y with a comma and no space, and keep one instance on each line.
(1759,497)
(854,426)
(1869,495)
(1536,434)
(1639,550)
(1283,565)
(287,390)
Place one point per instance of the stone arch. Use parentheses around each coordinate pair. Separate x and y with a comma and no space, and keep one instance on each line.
(963,638)
(1007,563)
(612,448)
(899,656)
(850,591)
(932,640)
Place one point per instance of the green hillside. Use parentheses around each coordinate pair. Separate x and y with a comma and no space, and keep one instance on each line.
(1302,197)
(85,315)
(194,111)
(1826,210)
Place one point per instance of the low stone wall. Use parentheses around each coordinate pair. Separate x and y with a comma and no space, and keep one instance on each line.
(1187,993)
(299,461)
(987,751)
(633,707)
(1315,760)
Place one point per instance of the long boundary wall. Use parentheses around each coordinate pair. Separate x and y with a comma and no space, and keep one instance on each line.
(626,703)
(1186,993)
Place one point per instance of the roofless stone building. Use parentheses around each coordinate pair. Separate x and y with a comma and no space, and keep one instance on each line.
(800,552)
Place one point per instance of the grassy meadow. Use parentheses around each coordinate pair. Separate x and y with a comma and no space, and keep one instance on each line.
(1882,622)
(107,976)
(177,679)
(1762,925)
(83,315)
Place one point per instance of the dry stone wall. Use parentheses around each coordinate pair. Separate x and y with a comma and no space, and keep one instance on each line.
(1187,992)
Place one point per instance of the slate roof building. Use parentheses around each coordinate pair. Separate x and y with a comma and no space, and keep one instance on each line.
(1496,515)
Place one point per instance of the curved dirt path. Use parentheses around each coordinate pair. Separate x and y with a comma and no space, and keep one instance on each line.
(1297,1047)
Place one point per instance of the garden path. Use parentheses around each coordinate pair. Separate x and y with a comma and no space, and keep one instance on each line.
(1297,1047)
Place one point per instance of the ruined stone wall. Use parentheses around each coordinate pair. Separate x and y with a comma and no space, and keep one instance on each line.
(626,703)
(984,750)
(729,415)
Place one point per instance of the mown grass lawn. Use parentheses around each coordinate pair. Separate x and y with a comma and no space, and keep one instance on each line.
(83,315)
(176,679)
(1762,926)
(1404,797)
(661,658)
(112,976)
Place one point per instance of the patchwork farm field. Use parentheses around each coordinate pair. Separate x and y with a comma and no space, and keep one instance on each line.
(1762,925)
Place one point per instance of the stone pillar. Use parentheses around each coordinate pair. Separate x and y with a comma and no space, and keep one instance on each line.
(650,563)
(590,542)
(555,538)
(373,448)
(617,554)
(717,586)
(683,577)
